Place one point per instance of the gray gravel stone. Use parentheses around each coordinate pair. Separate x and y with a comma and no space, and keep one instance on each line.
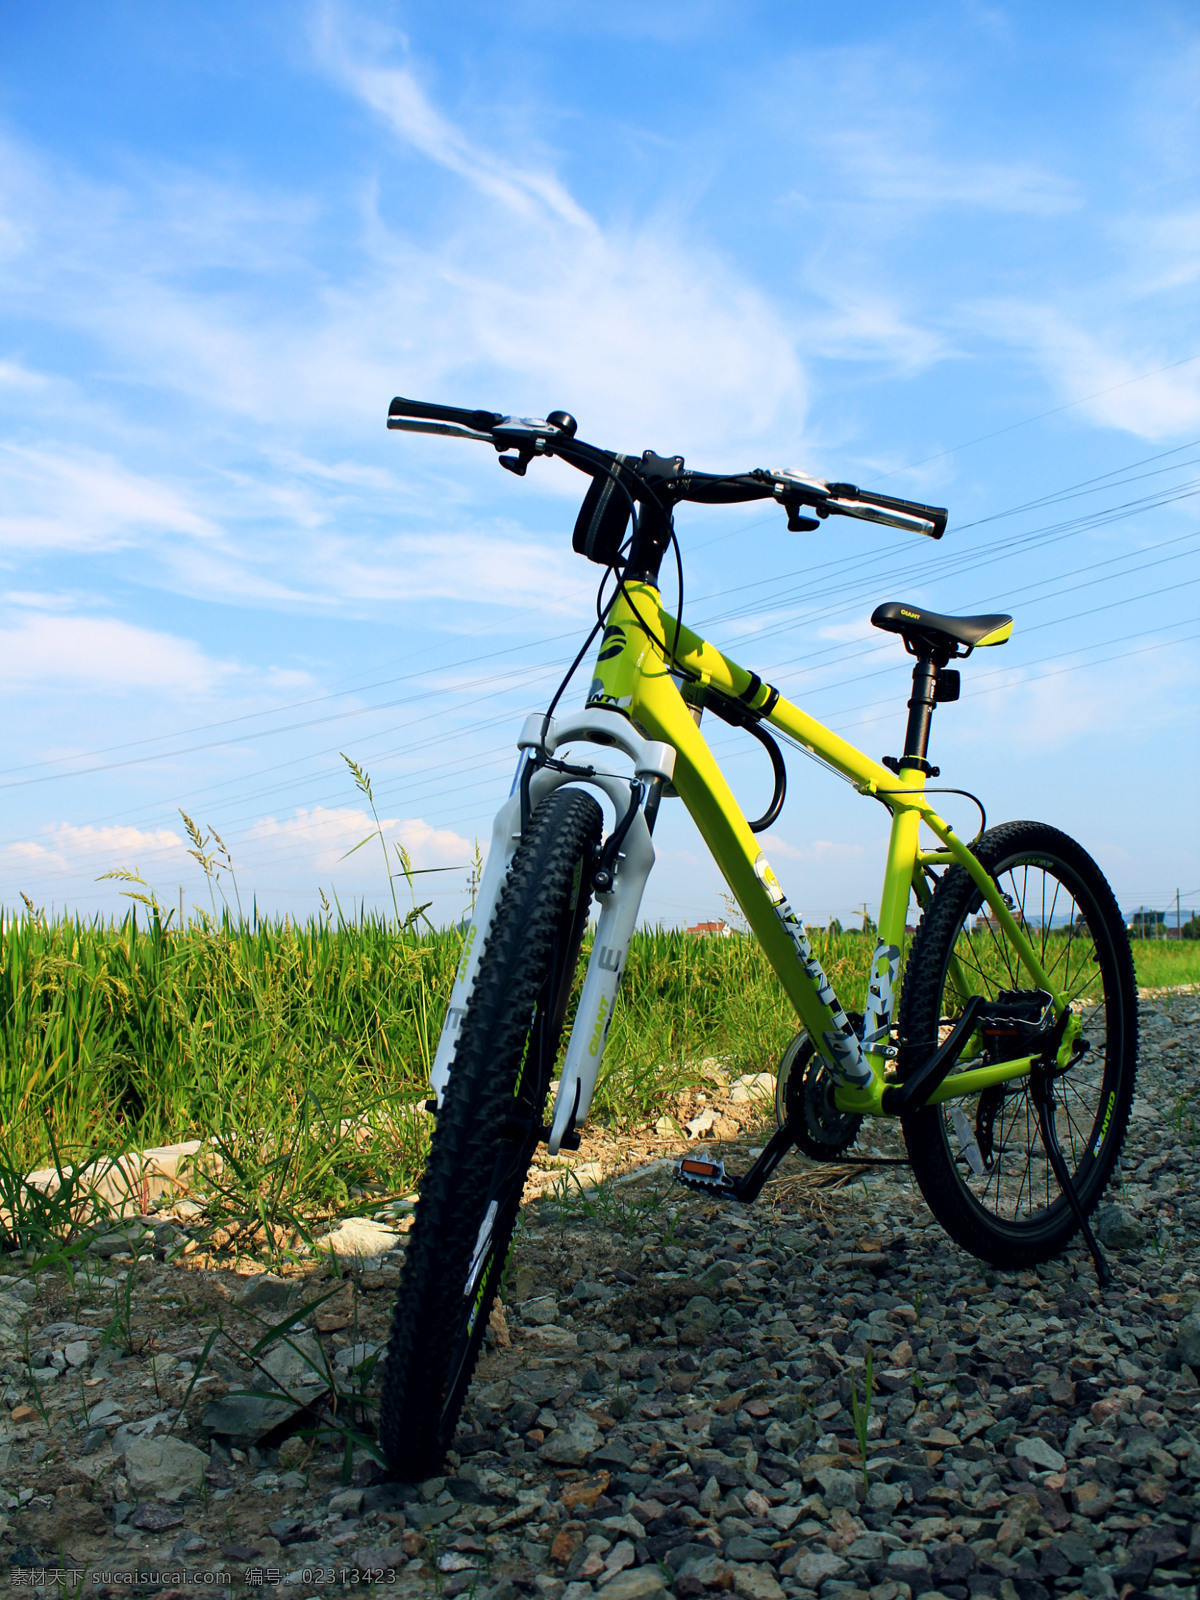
(166,1468)
(1118,1229)
(246,1418)
(1188,1341)
(264,1292)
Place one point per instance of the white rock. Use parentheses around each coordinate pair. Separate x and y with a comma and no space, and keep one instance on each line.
(359,1238)
(783,1516)
(571,1446)
(634,1583)
(140,1429)
(346,1502)
(354,1355)
(752,1086)
(264,1290)
(104,1411)
(814,1567)
(756,1583)
(556,1338)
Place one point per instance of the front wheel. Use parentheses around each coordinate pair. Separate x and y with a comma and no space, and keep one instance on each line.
(979,1160)
(487,1131)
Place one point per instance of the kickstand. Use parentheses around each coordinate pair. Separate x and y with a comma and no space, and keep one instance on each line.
(1042,1085)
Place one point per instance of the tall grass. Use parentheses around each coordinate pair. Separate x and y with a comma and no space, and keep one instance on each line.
(133,1032)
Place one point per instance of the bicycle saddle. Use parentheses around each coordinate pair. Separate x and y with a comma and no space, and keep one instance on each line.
(917,627)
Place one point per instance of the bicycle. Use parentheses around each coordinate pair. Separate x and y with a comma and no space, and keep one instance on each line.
(1013,1116)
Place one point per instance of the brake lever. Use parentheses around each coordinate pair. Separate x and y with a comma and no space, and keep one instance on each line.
(451,430)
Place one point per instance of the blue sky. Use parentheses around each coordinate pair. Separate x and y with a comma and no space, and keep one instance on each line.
(950,250)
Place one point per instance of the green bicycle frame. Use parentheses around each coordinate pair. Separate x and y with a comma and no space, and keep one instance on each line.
(633,675)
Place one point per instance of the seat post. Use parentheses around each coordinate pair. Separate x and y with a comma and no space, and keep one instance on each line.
(920,708)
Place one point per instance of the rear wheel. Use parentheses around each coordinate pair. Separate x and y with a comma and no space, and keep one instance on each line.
(979,1160)
(487,1131)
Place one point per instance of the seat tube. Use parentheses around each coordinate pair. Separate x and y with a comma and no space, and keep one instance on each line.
(897,882)
(878,1015)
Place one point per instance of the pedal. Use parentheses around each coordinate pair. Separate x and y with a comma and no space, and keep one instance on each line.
(1016,1021)
(706,1177)
(709,1177)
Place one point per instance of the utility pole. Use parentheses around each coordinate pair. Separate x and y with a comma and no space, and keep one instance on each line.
(1177,913)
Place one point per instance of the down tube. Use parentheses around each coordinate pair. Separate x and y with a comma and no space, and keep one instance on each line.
(714,810)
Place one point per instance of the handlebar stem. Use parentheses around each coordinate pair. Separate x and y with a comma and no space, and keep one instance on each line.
(651,538)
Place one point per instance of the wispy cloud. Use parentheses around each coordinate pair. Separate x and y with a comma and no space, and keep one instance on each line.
(1100,375)
(395,94)
(63,499)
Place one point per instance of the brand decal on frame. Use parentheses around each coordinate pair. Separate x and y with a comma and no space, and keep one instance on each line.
(841,1046)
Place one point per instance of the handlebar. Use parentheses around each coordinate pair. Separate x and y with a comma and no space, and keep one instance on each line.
(663,478)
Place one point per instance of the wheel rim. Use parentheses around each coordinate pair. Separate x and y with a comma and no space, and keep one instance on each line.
(993,1138)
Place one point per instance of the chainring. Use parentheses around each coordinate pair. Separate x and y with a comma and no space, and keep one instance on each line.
(804,1101)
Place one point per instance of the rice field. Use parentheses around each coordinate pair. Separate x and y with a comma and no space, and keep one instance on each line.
(304,1048)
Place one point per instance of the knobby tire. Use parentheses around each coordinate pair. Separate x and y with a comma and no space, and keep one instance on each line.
(487,1130)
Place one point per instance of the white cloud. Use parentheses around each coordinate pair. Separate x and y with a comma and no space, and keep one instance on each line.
(324,834)
(1067,706)
(815,851)
(469,568)
(640,330)
(1164,250)
(14,376)
(89,850)
(105,655)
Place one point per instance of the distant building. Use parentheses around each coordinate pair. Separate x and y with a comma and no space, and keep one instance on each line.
(989,924)
(722,929)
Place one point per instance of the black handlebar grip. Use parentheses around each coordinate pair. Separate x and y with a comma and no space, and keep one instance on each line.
(481,421)
(887,502)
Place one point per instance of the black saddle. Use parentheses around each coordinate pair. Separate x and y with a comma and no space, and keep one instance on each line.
(954,635)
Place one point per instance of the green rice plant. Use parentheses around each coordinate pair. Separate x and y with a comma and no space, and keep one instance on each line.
(861,1414)
(1166,963)
(133,1033)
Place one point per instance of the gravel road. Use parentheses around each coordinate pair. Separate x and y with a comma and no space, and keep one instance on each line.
(667,1404)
